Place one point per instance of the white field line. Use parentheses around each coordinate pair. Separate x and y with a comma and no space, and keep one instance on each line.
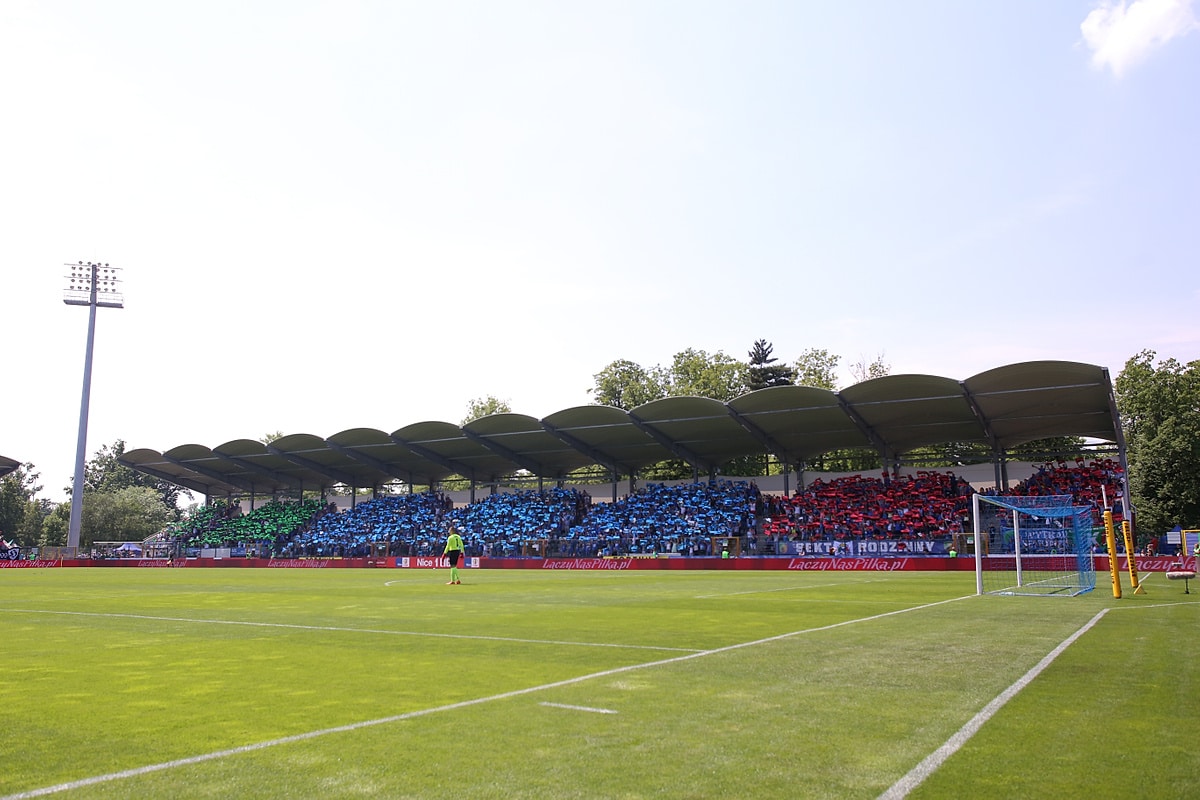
(300,737)
(350,630)
(579,708)
(1158,605)
(930,764)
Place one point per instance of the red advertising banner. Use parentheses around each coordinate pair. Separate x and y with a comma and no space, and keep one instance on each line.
(791,564)
(796,564)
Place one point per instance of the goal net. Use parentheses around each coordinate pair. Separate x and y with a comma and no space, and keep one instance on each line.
(1033,546)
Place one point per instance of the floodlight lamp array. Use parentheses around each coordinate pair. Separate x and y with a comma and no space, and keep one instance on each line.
(93,283)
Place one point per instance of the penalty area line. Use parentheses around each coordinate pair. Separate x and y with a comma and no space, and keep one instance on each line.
(917,775)
(356,726)
(578,708)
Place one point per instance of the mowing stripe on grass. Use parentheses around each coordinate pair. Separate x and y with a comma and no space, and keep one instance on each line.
(929,765)
(349,630)
(784,589)
(354,726)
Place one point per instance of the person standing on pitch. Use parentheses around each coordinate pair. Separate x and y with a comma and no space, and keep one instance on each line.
(453,552)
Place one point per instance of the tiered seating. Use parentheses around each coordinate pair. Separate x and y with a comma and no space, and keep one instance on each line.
(502,524)
(407,523)
(269,524)
(656,519)
(205,520)
(1083,481)
(927,505)
(666,519)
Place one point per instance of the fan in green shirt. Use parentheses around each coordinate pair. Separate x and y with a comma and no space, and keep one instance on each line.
(453,552)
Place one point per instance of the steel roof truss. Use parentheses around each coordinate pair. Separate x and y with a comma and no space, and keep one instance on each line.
(429,455)
(600,457)
(335,475)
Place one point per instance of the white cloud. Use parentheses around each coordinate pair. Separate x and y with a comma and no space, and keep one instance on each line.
(1121,34)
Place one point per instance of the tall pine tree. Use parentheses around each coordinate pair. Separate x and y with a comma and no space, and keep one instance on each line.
(763,372)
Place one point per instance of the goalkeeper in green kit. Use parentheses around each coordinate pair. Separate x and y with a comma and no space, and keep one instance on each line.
(453,552)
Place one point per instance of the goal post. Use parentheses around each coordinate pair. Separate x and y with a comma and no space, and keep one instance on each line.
(1039,546)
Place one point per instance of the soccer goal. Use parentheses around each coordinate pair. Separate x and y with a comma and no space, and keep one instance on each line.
(1033,546)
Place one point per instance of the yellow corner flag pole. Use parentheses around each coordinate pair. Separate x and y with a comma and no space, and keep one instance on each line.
(1110,539)
(1131,555)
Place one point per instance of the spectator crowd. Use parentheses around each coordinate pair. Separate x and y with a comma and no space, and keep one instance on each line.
(696,519)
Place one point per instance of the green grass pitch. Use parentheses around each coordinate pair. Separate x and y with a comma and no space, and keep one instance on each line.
(338,683)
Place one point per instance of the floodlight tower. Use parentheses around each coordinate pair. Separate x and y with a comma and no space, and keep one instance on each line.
(95,286)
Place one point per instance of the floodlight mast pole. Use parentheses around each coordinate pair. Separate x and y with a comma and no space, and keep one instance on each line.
(92,285)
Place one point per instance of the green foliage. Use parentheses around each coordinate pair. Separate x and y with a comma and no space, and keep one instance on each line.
(673,469)
(482,407)
(847,461)
(1160,417)
(761,374)
(12,502)
(692,373)
(954,454)
(132,513)
(55,526)
(31,529)
(626,385)
(20,513)
(817,368)
(104,473)
(949,454)
(1047,449)
(697,373)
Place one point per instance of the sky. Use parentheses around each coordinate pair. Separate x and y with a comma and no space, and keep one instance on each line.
(331,215)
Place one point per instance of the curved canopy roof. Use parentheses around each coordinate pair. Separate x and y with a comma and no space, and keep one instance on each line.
(7,465)
(1003,408)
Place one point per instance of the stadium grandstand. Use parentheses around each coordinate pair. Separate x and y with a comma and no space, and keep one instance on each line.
(893,415)
(921,514)
(921,511)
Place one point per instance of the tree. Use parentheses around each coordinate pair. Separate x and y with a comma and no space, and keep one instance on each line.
(131,513)
(267,438)
(1047,449)
(817,368)
(482,407)
(1160,417)
(104,473)
(696,373)
(55,526)
(761,375)
(624,384)
(17,490)
(30,531)
(862,371)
